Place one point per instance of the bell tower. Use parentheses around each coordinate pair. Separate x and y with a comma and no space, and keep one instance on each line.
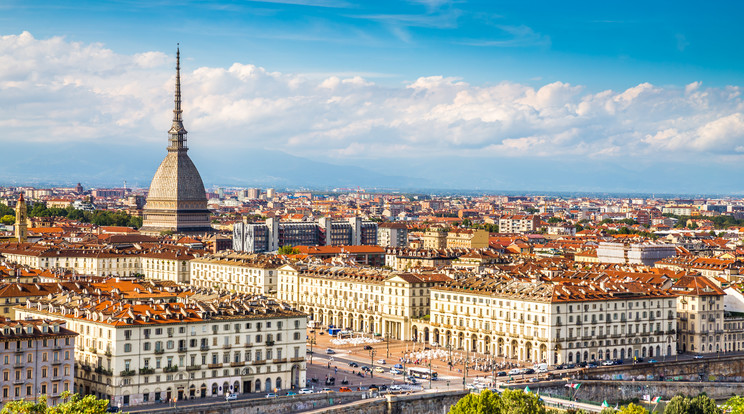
(21,227)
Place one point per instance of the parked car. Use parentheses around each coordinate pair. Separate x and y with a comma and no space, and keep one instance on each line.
(380,369)
(271,395)
(353,364)
(542,370)
(698,357)
(534,379)
(373,387)
(528,371)
(395,388)
(515,371)
(381,361)
(306,391)
(231,397)
(326,390)
(501,373)
(591,365)
(367,347)
(652,361)
(291,393)
(398,366)
(608,363)
(570,366)
(395,371)
(330,351)
(112,409)
(344,389)
(365,368)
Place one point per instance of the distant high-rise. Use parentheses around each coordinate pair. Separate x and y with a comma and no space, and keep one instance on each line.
(177,201)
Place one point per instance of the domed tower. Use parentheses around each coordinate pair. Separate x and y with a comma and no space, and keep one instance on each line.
(177,201)
(21,226)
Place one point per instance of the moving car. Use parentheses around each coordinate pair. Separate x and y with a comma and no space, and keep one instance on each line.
(291,393)
(379,369)
(395,388)
(367,347)
(353,364)
(271,395)
(231,397)
(306,391)
(329,351)
(344,389)
(698,357)
(326,390)
(365,368)
(381,361)
(395,371)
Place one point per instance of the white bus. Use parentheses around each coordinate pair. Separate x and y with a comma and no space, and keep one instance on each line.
(422,373)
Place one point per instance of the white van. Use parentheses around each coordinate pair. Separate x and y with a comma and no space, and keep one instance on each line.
(541,368)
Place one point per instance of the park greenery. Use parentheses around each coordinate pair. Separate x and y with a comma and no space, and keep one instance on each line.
(517,401)
(98,217)
(72,404)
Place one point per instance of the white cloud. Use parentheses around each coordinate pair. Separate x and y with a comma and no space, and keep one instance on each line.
(57,90)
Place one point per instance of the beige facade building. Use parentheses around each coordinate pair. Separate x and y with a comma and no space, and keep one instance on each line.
(534,321)
(141,353)
(37,359)
(701,314)
(467,239)
(237,272)
(362,300)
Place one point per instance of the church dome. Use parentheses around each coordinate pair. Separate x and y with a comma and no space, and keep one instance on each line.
(177,179)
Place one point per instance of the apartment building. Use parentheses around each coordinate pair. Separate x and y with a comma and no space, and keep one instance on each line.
(700,306)
(236,272)
(634,253)
(363,300)
(518,223)
(392,235)
(273,234)
(162,263)
(135,353)
(434,239)
(467,239)
(37,359)
(537,321)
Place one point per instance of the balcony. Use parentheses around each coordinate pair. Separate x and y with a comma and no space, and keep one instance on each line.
(146,371)
(248,345)
(279,360)
(269,343)
(237,364)
(671,332)
(127,373)
(298,359)
(103,371)
(193,367)
(57,362)
(259,362)
(226,346)
(213,366)
(159,351)
(172,368)
(182,349)
(204,348)
(85,367)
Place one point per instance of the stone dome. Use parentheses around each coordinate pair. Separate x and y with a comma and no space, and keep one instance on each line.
(177,179)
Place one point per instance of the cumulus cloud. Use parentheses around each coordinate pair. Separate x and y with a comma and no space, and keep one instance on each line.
(57,90)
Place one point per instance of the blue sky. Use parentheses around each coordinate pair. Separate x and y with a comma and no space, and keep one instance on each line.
(389,85)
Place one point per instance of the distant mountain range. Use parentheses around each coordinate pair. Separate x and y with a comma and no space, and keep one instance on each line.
(99,164)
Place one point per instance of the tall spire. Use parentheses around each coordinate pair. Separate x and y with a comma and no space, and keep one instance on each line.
(177,132)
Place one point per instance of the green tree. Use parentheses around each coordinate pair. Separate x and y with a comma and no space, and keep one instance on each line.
(73,404)
(734,405)
(7,219)
(484,403)
(288,249)
(519,402)
(702,404)
(633,409)
(510,402)
(553,220)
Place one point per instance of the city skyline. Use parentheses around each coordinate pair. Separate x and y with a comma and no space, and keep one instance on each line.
(419,95)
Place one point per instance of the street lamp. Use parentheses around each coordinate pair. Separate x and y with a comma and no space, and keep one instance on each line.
(387,344)
(312,342)
(372,354)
